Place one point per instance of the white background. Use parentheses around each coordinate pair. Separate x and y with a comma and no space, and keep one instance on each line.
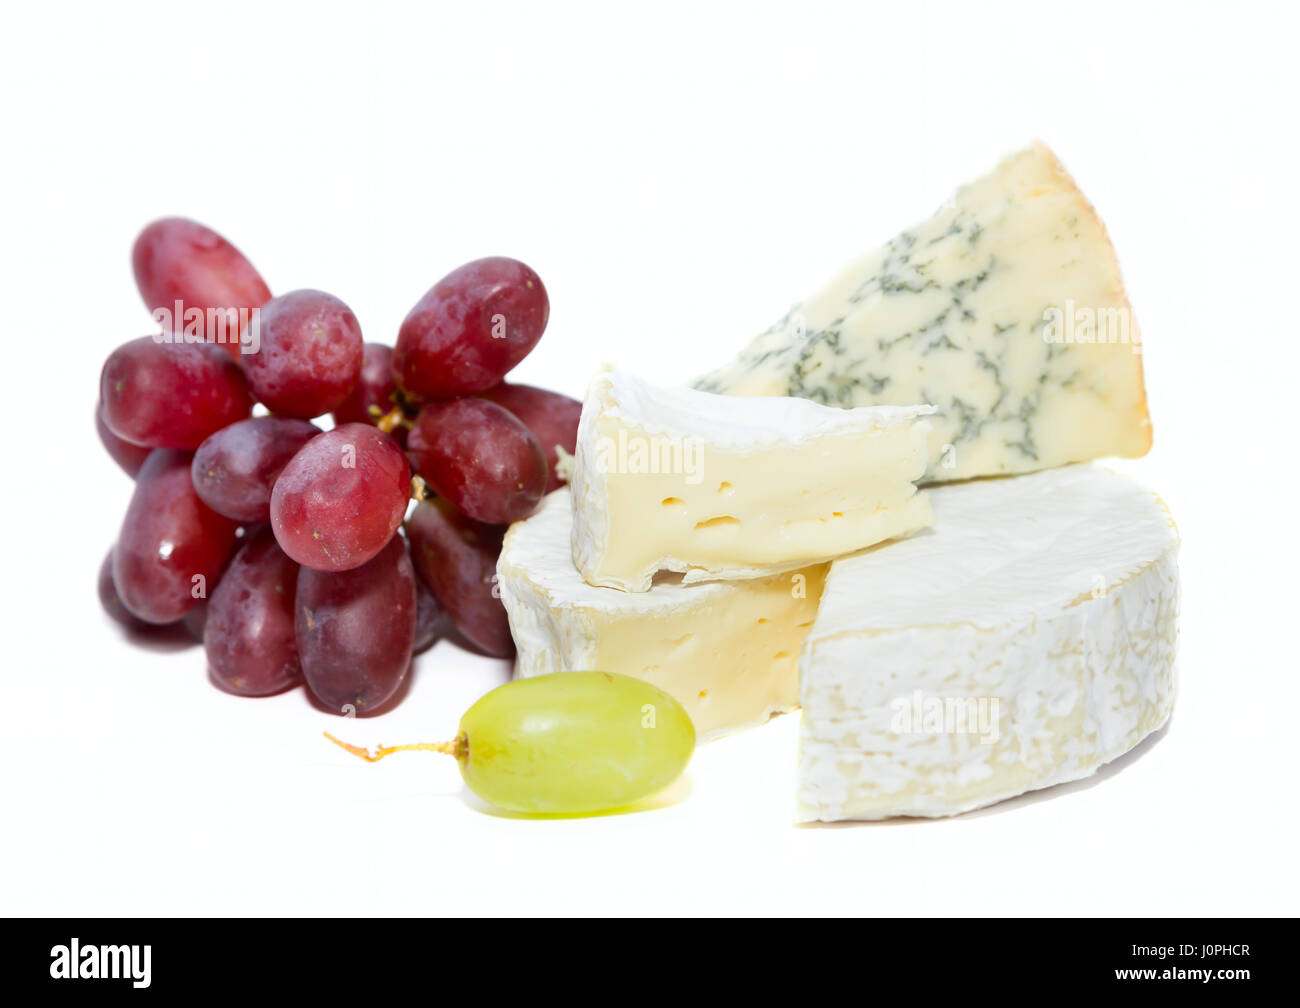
(678,174)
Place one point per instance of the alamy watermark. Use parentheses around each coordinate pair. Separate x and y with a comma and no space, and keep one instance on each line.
(75,961)
(221,326)
(924,714)
(638,454)
(1084,324)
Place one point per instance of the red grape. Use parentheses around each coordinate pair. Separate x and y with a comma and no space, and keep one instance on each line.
(430,620)
(374,389)
(172,546)
(481,458)
(108,598)
(552,417)
(127,455)
(477,323)
(179,260)
(196,620)
(309,358)
(457,558)
(235,469)
(171,395)
(341,498)
(249,636)
(355,630)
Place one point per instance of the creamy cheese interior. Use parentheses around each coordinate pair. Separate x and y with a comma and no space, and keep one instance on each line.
(718,488)
(727,651)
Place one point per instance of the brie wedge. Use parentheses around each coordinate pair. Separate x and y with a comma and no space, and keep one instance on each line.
(727,650)
(1005,310)
(719,487)
(1024,641)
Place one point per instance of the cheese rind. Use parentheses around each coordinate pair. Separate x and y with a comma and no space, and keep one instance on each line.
(1023,642)
(1005,310)
(716,487)
(727,651)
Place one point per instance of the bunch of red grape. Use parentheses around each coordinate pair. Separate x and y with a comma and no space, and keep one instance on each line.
(288,549)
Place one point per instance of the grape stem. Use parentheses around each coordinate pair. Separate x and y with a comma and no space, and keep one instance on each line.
(458,747)
(390,421)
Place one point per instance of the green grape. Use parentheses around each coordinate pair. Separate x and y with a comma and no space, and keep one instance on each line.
(567,743)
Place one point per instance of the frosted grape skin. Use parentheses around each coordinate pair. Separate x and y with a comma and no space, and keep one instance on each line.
(470,329)
(171,395)
(249,635)
(112,603)
(356,629)
(375,388)
(172,547)
(235,469)
(551,416)
(338,501)
(176,259)
(309,357)
(457,558)
(129,457)
(480,457)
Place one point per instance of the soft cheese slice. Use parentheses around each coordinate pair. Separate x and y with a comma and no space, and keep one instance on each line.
(727,650)
(1024,641)
(717,487)
(1005,310)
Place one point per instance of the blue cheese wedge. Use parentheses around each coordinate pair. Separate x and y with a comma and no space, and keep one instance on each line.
(727,650)
(1005,310)
(1024,641)
(719,488)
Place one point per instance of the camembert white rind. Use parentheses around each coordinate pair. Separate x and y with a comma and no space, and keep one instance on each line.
(1023,642)
(717,487)
(1005,310)
(727,650)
